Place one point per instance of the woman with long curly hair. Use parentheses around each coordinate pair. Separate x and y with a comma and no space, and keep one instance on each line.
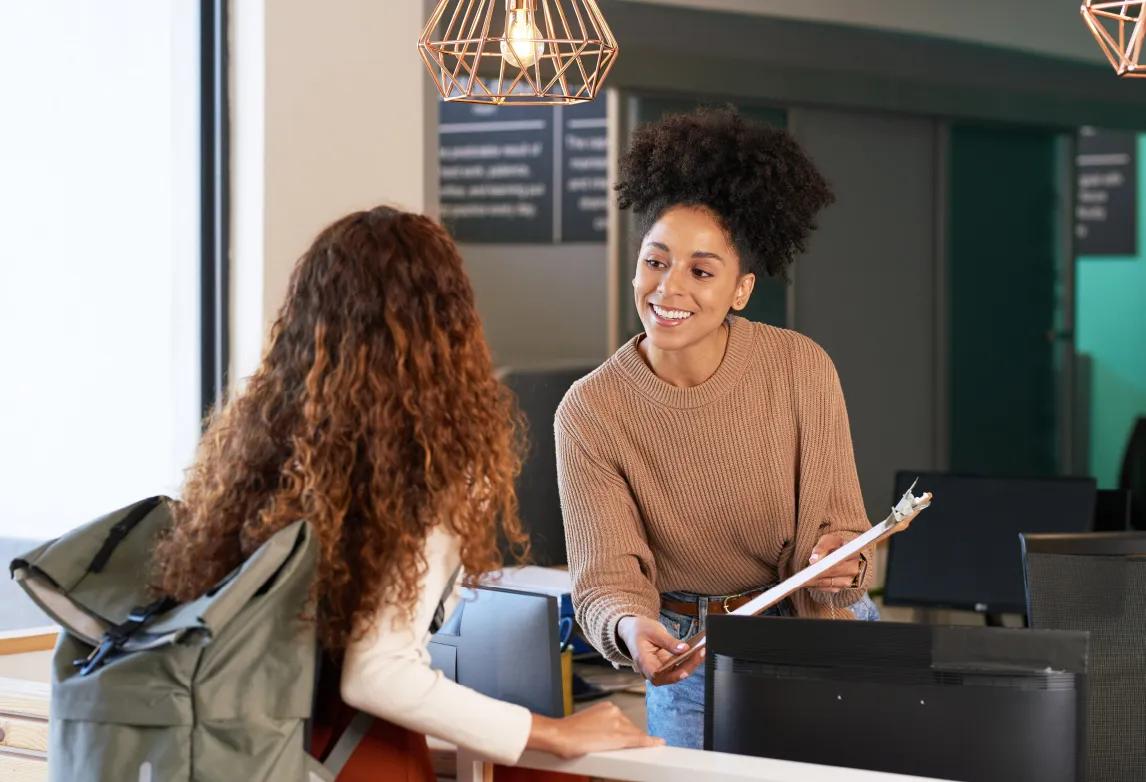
(375,415)
(710,456)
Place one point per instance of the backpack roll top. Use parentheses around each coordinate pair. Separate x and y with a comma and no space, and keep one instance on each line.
(69,578)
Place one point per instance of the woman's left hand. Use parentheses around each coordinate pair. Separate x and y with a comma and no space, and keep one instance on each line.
(843,575)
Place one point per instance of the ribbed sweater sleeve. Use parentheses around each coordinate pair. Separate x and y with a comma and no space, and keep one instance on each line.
(845,513)
(612,568)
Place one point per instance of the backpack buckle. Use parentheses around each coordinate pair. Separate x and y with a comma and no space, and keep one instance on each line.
(97,656)
(117,635)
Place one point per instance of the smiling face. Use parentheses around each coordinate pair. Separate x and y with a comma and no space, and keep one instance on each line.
(688,277)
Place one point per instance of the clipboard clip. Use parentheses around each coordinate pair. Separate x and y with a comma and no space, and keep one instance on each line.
(909,504)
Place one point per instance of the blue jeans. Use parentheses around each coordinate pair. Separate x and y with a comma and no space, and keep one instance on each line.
(675,712)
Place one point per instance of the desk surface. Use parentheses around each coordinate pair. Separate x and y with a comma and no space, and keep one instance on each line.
(670,764)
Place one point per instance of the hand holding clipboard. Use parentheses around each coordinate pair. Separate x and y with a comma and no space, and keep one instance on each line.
(900,518)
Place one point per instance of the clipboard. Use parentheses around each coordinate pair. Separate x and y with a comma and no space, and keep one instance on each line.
(900,518)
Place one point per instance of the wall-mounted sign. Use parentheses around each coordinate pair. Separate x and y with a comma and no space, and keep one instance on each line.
(533,175)
(1106,205)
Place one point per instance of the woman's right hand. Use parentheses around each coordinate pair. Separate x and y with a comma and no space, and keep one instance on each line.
(651,646)
(599,728)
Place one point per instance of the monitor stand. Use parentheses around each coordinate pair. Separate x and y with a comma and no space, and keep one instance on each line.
(993,619)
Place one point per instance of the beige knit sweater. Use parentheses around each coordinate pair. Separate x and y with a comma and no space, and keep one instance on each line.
(714,489)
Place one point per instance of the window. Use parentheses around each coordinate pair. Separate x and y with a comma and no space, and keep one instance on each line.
(100,267)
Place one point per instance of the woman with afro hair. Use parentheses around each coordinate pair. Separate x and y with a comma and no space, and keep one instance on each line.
(710,456)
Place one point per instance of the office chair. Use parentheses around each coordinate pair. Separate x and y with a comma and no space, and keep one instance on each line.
(1097,582)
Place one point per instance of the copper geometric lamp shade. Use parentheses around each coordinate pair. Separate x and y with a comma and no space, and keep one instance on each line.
(1119,28)
(505,52)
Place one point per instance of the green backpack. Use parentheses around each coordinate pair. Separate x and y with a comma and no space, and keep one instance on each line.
(219,688)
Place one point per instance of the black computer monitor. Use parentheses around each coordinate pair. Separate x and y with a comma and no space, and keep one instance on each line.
(538,393)
(979,704)
(504,643)
(964,551)
(1112,510)
(1133,474)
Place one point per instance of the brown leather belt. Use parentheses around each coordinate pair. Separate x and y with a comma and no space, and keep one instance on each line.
(716,605)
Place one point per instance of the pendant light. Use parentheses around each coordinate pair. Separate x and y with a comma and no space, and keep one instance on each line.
(506,52)
(1119,28)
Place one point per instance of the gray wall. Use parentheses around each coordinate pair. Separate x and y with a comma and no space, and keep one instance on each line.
(795,62)
(866,288)
(541,305)
(1051,27)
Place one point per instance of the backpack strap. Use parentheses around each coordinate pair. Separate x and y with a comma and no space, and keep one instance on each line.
(315,771)
(120,531)
(440,612)
(344,748)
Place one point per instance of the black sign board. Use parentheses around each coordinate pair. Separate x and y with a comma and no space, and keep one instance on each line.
(584,174)
(533,175)
(496,172)
(1106,204)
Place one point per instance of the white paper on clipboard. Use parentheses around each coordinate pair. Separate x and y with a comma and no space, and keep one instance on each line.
(905,510)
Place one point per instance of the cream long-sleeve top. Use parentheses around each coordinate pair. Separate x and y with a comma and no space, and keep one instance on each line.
(714,489)
(387,673)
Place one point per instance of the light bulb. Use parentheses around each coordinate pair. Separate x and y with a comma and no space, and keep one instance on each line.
(521,45)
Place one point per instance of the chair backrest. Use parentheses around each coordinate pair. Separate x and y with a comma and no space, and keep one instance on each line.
(1097,582)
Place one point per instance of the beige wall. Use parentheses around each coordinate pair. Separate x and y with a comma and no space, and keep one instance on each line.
(331,112)
(1051,27)
(542,305)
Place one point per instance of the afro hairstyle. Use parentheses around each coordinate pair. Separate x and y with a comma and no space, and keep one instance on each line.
(755,178)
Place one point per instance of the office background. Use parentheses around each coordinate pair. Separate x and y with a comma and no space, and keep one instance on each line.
(168,167)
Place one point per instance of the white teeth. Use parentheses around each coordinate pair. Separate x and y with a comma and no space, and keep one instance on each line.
(670,314)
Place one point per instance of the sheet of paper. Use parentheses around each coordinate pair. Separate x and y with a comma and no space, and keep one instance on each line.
(531,578)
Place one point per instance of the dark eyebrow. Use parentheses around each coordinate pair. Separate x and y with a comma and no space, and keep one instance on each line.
(698,254)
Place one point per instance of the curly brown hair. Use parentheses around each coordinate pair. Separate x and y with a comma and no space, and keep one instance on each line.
(756,179)
(374,415)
